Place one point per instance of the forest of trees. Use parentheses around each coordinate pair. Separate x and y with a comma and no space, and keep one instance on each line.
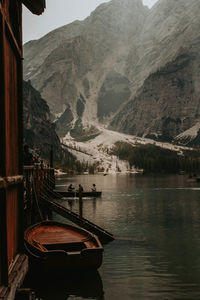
(154,159)
(71,165)
(149,158)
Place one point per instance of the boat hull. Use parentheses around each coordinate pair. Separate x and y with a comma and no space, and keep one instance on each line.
(60,263)
(76,194)
(65,256)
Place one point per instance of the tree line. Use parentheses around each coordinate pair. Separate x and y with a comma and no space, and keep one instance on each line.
(154,159)
(71,165)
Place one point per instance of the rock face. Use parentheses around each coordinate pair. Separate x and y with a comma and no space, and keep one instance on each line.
(82,60)
(166,105)
(39,131)
(113,93)
(167,102)
(134,69)
(190,137)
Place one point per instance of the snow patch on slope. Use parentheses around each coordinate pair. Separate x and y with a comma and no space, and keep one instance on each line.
(97,150)
(189,134)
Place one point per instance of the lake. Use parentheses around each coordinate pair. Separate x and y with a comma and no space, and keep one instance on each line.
(156,252)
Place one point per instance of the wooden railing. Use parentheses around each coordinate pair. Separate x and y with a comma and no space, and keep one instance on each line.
(37,179)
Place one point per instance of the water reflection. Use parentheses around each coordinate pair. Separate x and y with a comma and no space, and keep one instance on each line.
(74,286)
(70,202)
(156,222)
(94,205)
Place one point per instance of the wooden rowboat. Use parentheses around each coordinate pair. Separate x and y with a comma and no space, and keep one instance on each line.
(63,248)
(76,194)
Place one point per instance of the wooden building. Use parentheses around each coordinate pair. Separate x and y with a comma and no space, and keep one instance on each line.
(13,263)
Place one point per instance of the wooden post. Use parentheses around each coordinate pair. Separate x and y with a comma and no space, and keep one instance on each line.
(3,227)
(80,205)
(21,223)
(52,174)
(3,240)
(51,157)
(37,187)
(80,201)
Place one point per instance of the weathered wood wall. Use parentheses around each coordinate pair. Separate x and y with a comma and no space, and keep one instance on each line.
(13,264)
(11,136)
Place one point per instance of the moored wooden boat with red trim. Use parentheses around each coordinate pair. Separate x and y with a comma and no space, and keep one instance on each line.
(63,248)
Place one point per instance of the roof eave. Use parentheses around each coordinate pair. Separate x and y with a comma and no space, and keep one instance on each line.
(37,7)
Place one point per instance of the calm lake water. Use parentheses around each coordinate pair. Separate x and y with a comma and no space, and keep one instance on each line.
(156,253)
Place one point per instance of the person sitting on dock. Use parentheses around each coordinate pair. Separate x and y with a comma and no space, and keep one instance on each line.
(70,188)
(93,188)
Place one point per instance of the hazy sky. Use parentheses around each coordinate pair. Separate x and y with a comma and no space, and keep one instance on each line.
(58,13)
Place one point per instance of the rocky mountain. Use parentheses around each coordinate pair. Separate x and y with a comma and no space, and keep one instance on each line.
(133,69)
(39,131)
(190,137)
(81,60)
(167,102)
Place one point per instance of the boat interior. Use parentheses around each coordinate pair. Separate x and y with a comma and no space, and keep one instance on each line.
(69,247)
(49,239)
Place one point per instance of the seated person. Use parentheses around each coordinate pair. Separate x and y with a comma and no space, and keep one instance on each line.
(80,188)
(93,188)
(70,188)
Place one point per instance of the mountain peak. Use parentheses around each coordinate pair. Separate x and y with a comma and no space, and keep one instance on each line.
(125,65)
(128,2)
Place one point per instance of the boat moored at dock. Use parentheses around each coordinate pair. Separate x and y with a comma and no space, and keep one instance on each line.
(62,248)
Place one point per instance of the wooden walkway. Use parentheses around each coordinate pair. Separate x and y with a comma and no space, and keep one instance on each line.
(102,234)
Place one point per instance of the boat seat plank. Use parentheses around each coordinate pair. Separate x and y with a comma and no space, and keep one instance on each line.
(58,237)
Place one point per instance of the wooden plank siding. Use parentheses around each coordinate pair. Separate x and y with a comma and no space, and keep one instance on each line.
(11,144)
(11,110)
(2,101)
(11,149)
(3,240)
(12,223)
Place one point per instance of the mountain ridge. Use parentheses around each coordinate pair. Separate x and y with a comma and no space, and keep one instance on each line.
(110,64)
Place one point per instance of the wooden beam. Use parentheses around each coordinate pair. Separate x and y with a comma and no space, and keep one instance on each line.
(3,239)
(16,277)
(10,181)
(21,217)
(20,104)
(13,180)
(2,97)
(103,235)
(3,227)
(11,37)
